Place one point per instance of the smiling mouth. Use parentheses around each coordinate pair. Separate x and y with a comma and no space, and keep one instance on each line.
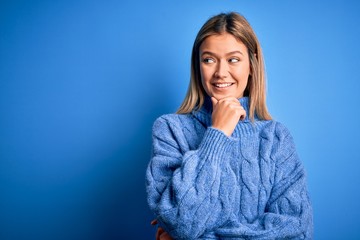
(222,85)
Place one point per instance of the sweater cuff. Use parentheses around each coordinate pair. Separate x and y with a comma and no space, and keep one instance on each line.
(215,145)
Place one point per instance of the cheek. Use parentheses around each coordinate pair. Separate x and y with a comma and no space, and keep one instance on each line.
(243,73)
(202,78)
(204,73)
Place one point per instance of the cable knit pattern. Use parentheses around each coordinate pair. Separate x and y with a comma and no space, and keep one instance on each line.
(202,184)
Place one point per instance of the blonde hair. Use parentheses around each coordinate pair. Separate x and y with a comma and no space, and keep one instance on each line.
(236,25)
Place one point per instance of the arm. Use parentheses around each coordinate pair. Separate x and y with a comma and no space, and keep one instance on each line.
(190,192)
(289,199)
(288,213)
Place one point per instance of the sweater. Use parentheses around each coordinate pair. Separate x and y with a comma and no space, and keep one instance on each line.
(202,184)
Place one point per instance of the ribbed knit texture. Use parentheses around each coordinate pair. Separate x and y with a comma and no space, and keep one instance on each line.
(202,184)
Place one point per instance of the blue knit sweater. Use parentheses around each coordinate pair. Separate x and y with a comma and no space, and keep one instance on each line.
(202,184)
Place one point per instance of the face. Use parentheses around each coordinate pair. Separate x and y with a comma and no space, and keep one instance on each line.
(224,66)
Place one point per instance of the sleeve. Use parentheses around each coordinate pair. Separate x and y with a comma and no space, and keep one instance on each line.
(288,213)
(289,202)
(189,192)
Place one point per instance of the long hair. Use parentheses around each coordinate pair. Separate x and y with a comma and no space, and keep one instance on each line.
(236,25)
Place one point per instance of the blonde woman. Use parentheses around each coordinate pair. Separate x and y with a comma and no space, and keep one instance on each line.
(221,168)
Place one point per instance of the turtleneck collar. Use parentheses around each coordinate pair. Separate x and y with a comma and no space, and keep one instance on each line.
(243,127)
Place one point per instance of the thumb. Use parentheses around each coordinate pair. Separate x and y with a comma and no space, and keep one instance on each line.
(214,101)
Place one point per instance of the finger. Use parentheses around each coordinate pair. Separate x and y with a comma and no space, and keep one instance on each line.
(165,236)
(240,110)
(157,236)
(243,115)
(159,232)
(154,222)
(230,104)
(231,99)
(214,101)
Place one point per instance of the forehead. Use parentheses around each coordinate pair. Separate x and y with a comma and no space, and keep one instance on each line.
(222,43)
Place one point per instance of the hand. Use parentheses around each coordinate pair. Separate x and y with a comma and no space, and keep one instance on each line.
(227,112)
(160,233)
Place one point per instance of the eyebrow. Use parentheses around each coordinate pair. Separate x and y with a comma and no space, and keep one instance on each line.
(227,54)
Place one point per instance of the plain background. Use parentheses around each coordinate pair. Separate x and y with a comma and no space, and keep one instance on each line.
(81,83)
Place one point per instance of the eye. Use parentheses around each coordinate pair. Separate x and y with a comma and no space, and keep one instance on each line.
(208,60)
(233,60)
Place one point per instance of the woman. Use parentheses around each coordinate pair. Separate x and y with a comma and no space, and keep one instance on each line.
(221,168)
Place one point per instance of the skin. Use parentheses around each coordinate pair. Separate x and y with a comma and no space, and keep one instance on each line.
(160,233)
(225,69)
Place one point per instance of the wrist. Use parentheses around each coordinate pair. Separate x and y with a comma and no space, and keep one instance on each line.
(226,131)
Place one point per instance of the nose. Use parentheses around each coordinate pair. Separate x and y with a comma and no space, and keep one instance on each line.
(222,70)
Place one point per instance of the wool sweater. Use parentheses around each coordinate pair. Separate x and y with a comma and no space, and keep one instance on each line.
(202,184)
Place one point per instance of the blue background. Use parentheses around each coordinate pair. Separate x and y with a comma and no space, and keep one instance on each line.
(81,83)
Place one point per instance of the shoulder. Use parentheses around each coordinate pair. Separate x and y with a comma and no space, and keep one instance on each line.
(182,131)
(172,123)
(277,140)
(275,129)
(172,119)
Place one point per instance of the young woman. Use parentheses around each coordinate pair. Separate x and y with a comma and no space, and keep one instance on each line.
(221,168)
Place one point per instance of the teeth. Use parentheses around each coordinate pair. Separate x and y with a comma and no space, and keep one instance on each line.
(222,85)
